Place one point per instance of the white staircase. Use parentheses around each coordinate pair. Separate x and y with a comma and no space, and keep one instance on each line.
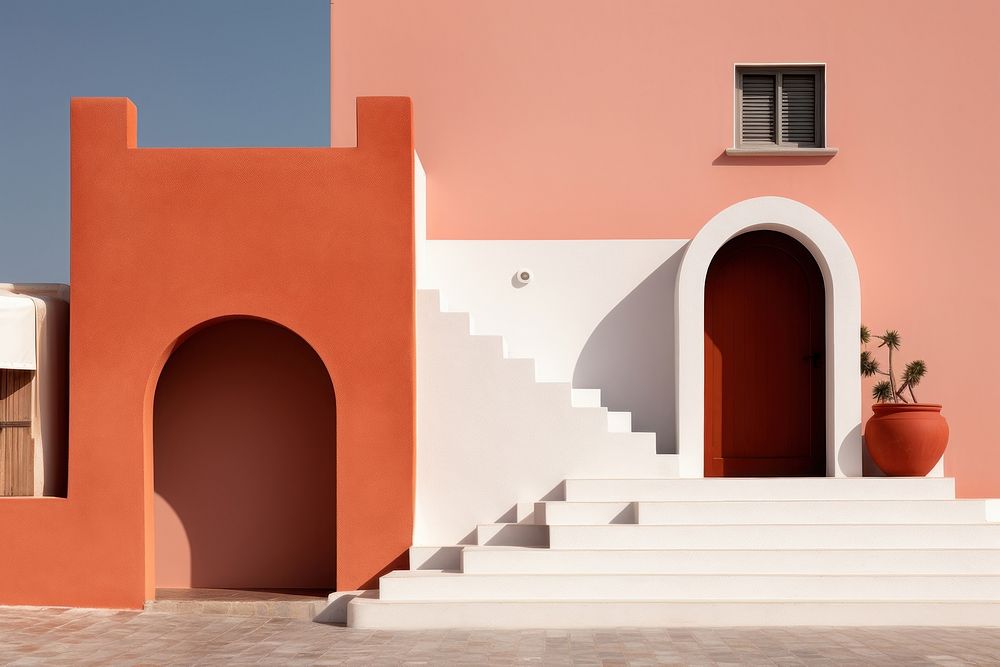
(690,552)
(624,542)
(430,305)
(492,439)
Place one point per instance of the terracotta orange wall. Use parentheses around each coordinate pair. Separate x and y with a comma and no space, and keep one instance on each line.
(606,119)
(318,240)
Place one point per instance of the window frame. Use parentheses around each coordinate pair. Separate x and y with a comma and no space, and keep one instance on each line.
(776,70)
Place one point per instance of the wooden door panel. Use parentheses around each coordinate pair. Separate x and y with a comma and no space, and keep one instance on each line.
(764,384)
(17,454)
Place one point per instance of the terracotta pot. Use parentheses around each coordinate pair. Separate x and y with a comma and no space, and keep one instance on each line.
(906,439)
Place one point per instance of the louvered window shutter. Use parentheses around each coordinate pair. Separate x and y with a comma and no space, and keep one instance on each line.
(758,109)
(798,109)
(780,107)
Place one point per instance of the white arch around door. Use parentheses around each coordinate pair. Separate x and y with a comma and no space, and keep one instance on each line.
(843,320)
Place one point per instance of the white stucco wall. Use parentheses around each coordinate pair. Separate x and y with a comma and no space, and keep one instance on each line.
(622,316)
(419,219)
(626,317)
(598,314)
(489,436)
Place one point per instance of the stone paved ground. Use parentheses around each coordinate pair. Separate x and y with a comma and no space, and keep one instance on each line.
(33,636)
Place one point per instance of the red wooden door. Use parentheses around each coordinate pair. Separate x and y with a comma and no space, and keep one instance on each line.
(765,398)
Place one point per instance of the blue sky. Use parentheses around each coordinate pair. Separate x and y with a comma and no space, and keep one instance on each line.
(201,72)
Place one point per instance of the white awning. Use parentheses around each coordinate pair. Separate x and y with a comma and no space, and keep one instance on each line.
(17,331)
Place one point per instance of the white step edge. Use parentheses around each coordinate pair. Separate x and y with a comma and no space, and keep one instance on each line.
(619,422)
(513,560)
(779,488)
(771,536)
(436,558)
(337,603)
(564,513)
(372,614)
(586,398)
(493,344)
(525,513)
(641,441)
(414,586)
(679,512)
(459,320)
(430,299)
(512,534)
(521,366)
(701,512)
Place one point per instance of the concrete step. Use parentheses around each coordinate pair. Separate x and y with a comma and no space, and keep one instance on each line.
(436,558)
(525,513)
(457,322)
(807,511)
(225,602)
(586,398)
(558,393)
(507,560)
(494,345)
(699,512)
(413,586)
(781,488)
(512,534)
(562,513)
(646,443)
(619,422)
(430,299)
(368,613)
(518,513)
(771,536)
(524,370)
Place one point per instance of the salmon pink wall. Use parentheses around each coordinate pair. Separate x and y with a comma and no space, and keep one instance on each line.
(165,240)
(606,119)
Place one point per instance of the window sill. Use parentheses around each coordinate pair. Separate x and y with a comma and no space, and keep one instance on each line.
(780,152)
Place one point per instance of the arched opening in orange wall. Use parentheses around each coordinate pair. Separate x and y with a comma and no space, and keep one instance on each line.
(244,462)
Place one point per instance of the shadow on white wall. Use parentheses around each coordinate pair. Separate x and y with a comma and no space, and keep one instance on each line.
(630,357)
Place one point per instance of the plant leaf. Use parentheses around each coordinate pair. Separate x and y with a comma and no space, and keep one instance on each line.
(914,372)
(890,339)
(866,334)
(882,391)
(869,364)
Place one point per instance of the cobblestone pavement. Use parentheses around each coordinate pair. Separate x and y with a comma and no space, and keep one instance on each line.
(33,636)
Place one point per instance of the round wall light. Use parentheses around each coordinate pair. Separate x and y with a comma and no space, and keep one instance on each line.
(523,277)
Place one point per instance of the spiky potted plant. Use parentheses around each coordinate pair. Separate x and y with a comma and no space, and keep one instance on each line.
(904,437)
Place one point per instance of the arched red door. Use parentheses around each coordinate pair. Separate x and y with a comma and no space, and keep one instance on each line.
(765,398)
